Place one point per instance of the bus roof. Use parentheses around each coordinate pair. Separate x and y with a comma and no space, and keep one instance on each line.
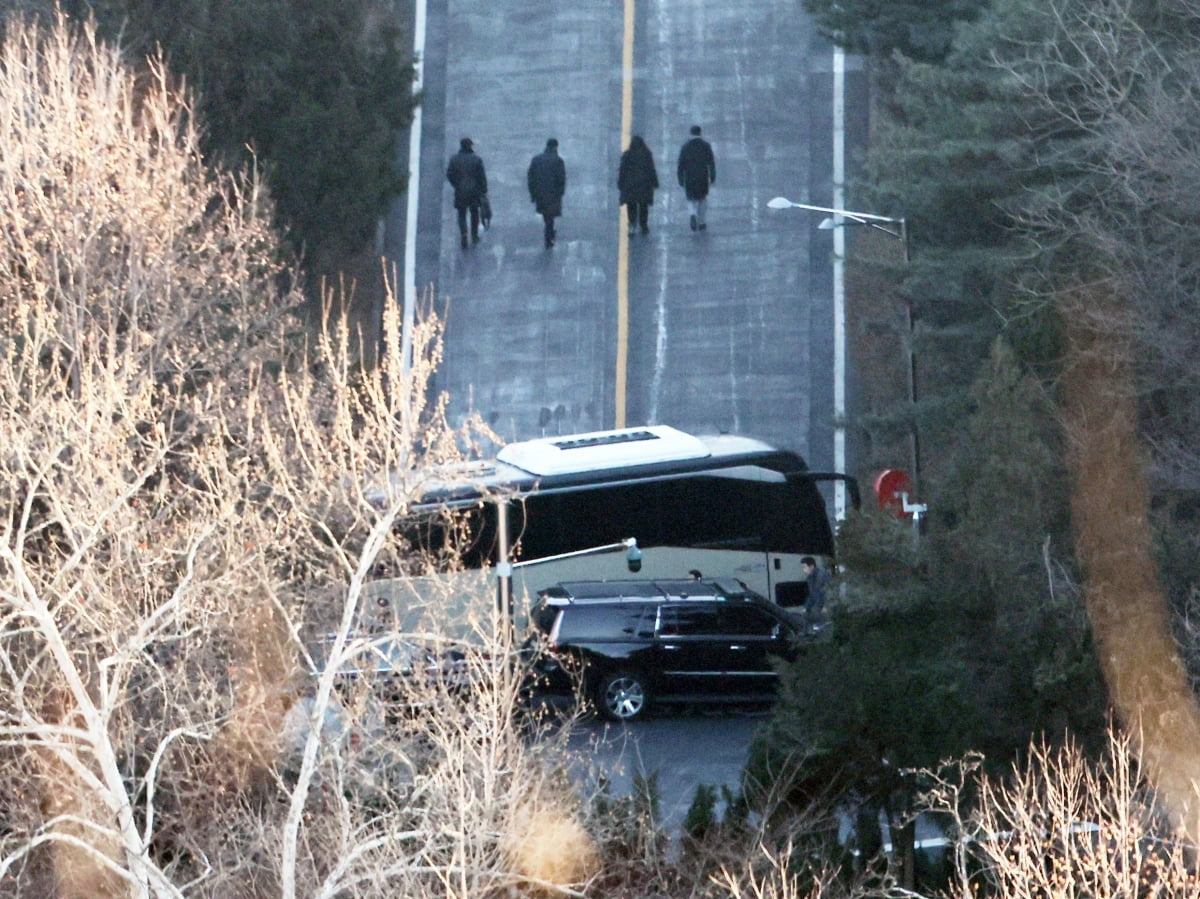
(602,450)
(578,460)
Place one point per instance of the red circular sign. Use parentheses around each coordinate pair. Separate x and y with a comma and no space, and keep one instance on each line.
(891,486)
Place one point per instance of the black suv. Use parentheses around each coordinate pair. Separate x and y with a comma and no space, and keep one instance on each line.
(670,641)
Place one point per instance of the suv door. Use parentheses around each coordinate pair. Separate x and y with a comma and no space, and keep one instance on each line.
(753,636)
(605,636)
(691,655)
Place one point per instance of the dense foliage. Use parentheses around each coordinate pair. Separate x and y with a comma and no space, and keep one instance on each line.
(314,92)
(1043,163)
(921,30)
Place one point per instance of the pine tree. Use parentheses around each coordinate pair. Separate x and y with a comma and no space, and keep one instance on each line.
(921,30)
(312,92)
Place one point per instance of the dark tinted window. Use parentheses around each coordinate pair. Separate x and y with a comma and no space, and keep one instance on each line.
(701,511)
(690,620)
(583,623)
(749,621)
(543,617)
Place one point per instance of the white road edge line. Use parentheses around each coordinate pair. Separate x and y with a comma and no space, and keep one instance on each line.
(414,190)
(839,283)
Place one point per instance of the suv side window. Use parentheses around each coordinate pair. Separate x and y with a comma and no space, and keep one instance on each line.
(682,620)
(749,621)
(589,623)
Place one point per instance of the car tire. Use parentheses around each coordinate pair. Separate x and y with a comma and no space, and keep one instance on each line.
(622,695)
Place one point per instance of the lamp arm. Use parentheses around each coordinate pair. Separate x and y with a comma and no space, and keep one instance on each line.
(627,543)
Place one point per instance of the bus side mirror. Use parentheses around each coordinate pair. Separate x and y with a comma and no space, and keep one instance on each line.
(633,557)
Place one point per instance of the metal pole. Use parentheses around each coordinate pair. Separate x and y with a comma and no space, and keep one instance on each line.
(914,436)
(839,286)
(503,571)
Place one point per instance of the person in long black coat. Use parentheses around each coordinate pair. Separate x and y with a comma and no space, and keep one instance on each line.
(468,177)
(637,180)
(697,170)
(547,183)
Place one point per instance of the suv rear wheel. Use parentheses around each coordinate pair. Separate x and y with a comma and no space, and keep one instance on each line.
(622,695)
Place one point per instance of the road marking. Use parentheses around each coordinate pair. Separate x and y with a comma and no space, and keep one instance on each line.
(413,189)
(622,230)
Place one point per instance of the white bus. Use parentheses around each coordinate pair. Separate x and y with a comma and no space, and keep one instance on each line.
(720,506)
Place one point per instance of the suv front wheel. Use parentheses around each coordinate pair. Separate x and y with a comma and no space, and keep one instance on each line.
(622,695)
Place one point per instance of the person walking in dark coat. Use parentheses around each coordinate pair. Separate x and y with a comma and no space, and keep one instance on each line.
(469,180)
(547,184)
(697,170)
(637,180)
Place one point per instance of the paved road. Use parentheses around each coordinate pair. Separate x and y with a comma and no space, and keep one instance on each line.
(728,329)
(717,744)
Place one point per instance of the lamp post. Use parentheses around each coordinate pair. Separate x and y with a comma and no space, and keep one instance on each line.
(505,567)
(893,227)
(898,227)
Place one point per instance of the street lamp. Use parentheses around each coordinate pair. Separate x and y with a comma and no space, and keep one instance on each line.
(893,227)
(845,217)
(505,566)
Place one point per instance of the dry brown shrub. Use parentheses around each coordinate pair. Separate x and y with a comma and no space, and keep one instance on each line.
(547,844)
(192,487)
(1061,824)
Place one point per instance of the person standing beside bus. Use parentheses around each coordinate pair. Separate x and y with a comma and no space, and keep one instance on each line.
(697,170)
(637,180)
(547,179)
(817,579)
(469,180)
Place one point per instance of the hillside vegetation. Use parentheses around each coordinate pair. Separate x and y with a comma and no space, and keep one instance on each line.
(1042,157)
(186,476)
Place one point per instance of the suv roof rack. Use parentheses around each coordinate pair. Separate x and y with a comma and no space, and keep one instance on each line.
(639,590)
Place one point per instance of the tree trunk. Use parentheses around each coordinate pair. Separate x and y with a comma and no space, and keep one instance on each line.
(1130,619)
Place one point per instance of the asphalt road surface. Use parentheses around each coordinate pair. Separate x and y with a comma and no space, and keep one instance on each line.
(717,742)
(730,329)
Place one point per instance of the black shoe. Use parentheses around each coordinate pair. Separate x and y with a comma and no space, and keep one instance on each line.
(464,241)
(474,238)
(549,242)
(693,223)
(702,226)
(645,229)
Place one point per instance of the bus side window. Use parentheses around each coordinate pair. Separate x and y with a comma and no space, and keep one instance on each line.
(555,523)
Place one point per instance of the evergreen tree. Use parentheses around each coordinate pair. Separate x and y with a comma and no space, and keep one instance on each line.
(973,641)
(921,30)
(1064,131)
(315,92)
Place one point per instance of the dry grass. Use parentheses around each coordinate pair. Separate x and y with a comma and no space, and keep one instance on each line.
(1060,824)
(548,846)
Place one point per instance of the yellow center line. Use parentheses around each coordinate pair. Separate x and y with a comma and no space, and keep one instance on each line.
(622,231)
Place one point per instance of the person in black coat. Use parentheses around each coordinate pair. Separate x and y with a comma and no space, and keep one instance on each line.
(637,180)
(697,170)
(547,183)
(467,176)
